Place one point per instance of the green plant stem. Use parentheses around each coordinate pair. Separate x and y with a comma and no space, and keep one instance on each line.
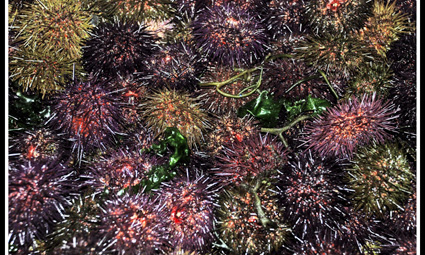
(279,131)
(329,84)
(239,95)
(222,83)
(266,222)
(301,81)
(254,87)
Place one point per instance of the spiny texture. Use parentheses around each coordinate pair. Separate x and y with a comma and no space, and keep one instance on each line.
(324,244)
(88,112)
(407,6)
(121,169)
(404,245)
(381,179)
(77,232)
(250,221)
(384,26)
(334,53)
(357,232)
(162,30)
(118,48)
(133,224)
(229,129)
(247,5)
(57,26)
(38,193)
(404,92)
(404,221)
(132,90)
(179,251)
(35,144)
(351,123)
(402,57)
(312,192)
(230,35)
(337,16)
(139,139)
(169,108)
(285,18)
(134,10)
(376,78)
(40,72)
(185,11)
(174,66)
(189,209)
(281,74)
(219,104)
(249,159)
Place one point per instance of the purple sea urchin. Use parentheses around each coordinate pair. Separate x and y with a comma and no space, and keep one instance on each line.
(169,108)
(250,221)
(247,5)
(402,246)
(38,193)
(404,92)
(281,74)
(133,224)
(121,169)
(38,144)
(230,35)
(324,244)
(381,179)
(404,221)
(174,66)
(118,48)
(311,190)
(89,114)
(133,91)
(189,206)
(284,18)
(350,124)
(248,159)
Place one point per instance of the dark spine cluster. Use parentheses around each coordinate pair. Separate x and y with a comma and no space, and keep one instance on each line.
(189,206)
(189,127)
(230,35)
(88,113)
(118,48)
(312,191)
(39,191)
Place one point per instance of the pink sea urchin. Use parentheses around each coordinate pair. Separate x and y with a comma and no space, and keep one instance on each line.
(352,123)
(189,206)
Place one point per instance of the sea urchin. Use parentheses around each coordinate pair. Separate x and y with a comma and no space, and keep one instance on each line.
(230,35)
(349,124)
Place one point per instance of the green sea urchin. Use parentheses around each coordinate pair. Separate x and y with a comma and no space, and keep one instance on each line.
(250,221)
(169,108)
(381,178)
(57,26)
